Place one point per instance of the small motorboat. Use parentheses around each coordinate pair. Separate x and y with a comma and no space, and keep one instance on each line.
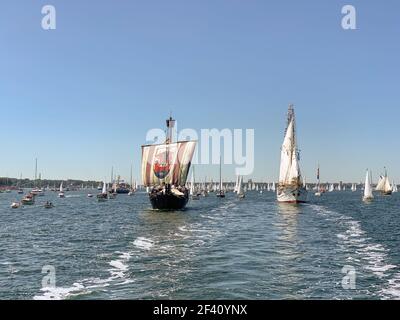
(101,197)
(28,200)
(90,195)
(48,205)
(221,194)
(15,205)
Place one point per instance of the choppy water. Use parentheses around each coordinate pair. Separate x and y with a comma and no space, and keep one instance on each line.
(216,249)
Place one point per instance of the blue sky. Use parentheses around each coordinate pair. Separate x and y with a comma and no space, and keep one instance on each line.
(82,97)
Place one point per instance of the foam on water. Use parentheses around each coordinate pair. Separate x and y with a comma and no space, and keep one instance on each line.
(143,243)
(85,286)
(374,254)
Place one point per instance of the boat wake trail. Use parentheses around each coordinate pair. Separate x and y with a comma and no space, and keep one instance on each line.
(362,251)
(143,243)
(118,270)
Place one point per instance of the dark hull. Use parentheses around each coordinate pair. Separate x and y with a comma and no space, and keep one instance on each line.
(168,201)
(122,191)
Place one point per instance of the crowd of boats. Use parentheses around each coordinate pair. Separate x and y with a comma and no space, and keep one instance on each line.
(165,168)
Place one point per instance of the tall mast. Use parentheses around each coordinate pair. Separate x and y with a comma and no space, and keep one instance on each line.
(36,168)
(220,174)
(131,177)
(170,126)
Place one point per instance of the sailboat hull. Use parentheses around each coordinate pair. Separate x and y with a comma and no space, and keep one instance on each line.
(168,201)
(292,194)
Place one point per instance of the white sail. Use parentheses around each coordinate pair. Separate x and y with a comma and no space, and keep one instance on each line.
(368,188)
(237,184)
(290,187)
(104,191)
(61,187)
(384,184)
(239,189)
(289,169)
(192,183)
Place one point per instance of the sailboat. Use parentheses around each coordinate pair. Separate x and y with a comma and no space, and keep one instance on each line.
(384,185)
(368,196)
(165,168)
(61,194)
(290,187)
(235,190)
(318,192)
(103,196)
(193,193)
(221,192)
(394,187)
(240,191)
(19,189)
(132,189)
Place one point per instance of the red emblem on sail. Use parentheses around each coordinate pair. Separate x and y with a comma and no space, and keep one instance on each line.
(161,166)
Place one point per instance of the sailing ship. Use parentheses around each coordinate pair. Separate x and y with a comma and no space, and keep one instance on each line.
(165,168)
(290,187)
(384,185)
(368,196)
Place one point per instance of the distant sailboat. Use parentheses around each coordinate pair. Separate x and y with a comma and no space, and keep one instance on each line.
(192,192)
(235,190)
(221,192)
(103,196)
(318,192)
(61,194)
(384,185)
(368,196)
(133,188)
(240,191)
(394,187)
(290,188)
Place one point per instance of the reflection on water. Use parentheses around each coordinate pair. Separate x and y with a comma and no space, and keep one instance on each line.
(289,249)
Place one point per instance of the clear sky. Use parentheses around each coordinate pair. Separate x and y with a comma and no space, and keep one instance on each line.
(82,97)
